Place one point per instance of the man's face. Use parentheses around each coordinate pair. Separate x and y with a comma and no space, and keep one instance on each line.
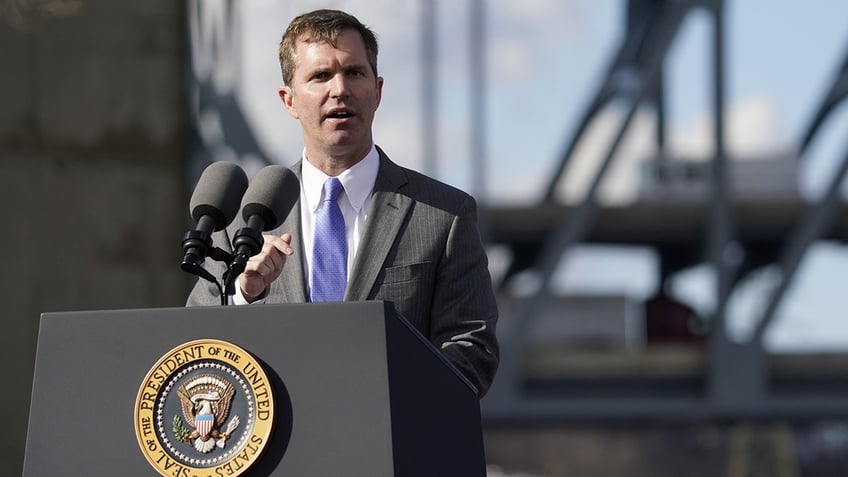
(334,95)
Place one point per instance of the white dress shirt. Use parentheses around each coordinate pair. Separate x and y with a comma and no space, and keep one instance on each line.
(358,182)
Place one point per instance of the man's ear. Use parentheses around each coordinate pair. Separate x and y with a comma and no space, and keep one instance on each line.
(379,89)
(287,97)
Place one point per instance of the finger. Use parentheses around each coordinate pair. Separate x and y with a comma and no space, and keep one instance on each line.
(267,269)
(273,256)
(277,260)
(281,243)
(261,264)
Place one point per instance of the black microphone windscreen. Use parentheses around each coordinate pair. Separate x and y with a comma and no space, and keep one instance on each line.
(271,195)
(218,193)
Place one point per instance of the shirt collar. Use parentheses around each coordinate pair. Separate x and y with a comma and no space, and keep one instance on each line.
(358,180)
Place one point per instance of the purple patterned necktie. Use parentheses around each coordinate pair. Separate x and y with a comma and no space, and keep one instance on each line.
(329,247)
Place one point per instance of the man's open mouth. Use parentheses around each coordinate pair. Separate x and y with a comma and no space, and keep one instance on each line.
(340,114)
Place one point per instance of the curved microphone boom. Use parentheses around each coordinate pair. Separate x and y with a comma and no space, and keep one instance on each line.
(268,200)
(214,204)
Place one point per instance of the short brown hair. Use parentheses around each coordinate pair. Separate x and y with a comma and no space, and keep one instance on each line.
(322,26)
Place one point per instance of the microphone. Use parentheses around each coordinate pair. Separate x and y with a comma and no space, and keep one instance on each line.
(267,202)
(214,204)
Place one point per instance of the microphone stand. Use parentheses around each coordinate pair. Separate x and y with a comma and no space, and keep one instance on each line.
(198,244)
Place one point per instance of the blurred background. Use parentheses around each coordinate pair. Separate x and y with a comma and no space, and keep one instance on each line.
(660,187)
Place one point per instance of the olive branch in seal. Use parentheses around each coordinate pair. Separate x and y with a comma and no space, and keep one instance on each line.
(179,429)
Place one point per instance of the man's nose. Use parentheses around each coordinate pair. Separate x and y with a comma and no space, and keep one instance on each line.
(339,86)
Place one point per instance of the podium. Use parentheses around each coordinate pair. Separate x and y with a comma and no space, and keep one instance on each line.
(357,390)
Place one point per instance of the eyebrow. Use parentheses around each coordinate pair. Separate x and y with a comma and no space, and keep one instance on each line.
(355,67)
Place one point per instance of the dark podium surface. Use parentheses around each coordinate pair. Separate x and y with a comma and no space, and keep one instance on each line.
(358,392)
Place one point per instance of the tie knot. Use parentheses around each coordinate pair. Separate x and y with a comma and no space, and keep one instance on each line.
(332,189)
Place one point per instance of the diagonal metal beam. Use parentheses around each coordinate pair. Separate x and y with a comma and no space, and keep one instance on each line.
(817,221)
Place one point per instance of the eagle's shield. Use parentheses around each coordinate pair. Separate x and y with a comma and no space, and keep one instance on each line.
(204,424)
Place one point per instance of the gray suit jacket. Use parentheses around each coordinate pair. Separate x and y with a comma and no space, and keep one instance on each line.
(421,250)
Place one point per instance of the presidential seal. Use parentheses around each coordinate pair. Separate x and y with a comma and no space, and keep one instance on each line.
(205,409)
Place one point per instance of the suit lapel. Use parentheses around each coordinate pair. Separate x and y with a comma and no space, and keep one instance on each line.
(290,287)
(389,209)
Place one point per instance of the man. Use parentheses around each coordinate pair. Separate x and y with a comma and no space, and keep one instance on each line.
(409,239)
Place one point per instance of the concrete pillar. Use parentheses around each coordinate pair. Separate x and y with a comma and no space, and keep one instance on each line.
(92,159)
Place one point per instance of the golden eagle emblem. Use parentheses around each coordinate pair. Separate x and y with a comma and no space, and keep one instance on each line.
(205,400)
